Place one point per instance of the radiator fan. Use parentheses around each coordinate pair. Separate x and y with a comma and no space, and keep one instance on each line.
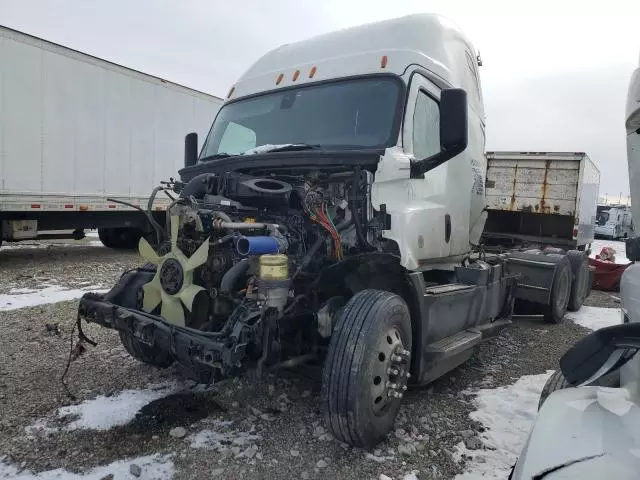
(172,286)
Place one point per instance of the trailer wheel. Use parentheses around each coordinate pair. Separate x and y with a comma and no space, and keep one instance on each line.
(558,382)
(580,284)
(120,238)
(560,293)
(367,366)
(105,236)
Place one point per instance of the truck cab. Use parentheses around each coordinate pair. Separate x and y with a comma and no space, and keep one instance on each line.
(372,95)
(614,222)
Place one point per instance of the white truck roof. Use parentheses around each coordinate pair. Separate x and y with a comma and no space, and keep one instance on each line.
(389,46)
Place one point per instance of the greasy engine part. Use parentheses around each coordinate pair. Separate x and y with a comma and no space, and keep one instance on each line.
(233,289)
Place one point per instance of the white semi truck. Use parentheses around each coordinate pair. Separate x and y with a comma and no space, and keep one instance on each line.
(334,218)
(79,135)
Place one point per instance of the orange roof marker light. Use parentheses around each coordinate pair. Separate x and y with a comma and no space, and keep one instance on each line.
(279,79)
(312,72)
(296,74)
(233,89)
(383,61)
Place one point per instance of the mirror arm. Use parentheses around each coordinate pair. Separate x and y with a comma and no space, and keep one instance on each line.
(420,167)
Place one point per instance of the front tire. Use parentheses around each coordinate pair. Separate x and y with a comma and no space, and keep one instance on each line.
(366,369)
(144,353)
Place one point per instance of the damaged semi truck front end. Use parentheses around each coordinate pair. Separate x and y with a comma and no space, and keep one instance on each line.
(328,220)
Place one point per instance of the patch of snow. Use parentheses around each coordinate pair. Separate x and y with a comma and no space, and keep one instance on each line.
(220,436)
(619,247)
(152,467)
(265,148)
(22,298)
(507,414)
(596,317)
(22,246)
(24,290)
(103,413)
(91,233)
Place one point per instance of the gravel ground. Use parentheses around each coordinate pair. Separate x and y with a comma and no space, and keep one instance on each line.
(276,422)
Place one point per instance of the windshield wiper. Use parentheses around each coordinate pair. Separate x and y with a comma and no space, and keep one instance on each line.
(296,147)
(215,156)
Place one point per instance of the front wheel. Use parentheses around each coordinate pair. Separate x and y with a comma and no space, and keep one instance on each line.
(367,368)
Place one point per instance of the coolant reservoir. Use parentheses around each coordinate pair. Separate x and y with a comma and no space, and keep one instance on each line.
(274,267)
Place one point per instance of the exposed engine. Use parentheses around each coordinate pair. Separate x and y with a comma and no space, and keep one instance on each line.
(239,267)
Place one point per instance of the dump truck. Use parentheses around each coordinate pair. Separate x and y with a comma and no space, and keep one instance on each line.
(84,141)
(333,219)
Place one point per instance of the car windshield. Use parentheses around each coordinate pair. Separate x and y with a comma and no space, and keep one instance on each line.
(347,114)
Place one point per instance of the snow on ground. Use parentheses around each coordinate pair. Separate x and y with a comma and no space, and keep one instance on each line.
(619,247)
(507,414)
(27,297)
(103,413)
(220,435)
(596,317)
(151,467)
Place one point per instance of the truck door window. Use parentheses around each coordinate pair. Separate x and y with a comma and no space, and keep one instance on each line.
(426,126)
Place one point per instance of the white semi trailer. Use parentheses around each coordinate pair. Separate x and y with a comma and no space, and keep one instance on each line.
(544,198)
(77,132)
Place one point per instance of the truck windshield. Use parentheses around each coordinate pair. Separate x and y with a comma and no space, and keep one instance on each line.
(347,114)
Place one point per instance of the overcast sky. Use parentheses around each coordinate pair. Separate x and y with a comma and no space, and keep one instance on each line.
(555,73)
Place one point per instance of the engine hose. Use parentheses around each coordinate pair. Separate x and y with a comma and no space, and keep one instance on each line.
(160,233)
(310,254)
(362,239)
(197,186)
(232,275)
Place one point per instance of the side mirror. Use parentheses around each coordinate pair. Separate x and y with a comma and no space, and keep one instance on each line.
(600,352)
(454,135)
(190,149)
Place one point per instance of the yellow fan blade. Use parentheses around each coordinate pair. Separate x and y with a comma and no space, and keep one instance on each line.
(171,310)
(198,258)
(147,252)
(188,295)
(174,232)
(152,296)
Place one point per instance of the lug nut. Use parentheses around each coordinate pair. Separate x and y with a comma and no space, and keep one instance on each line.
(392,371)
(404,388)
(408,375)
(406,353)
(399,395)
(396,358)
